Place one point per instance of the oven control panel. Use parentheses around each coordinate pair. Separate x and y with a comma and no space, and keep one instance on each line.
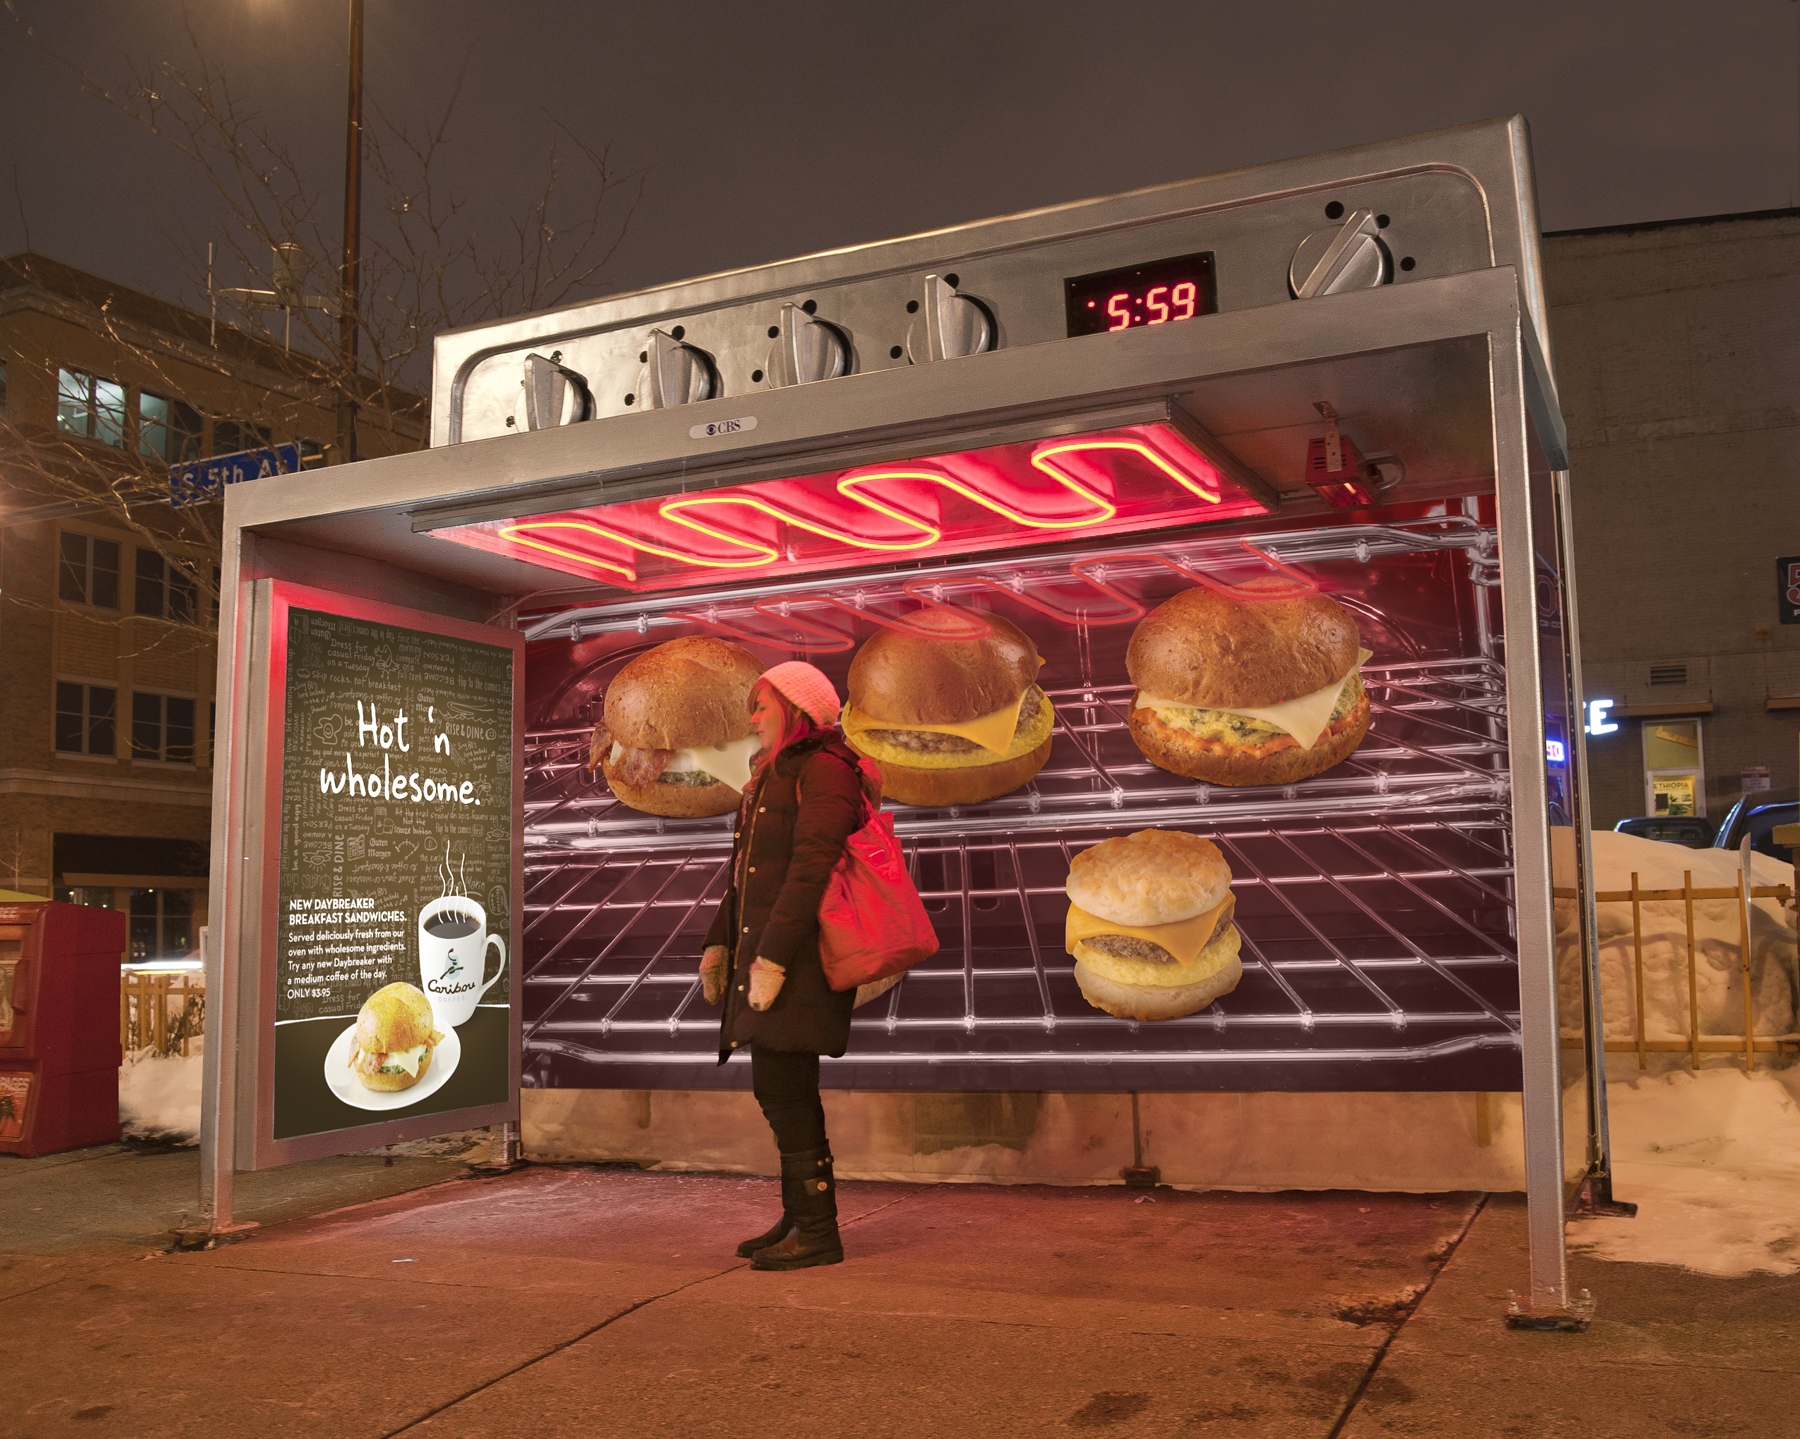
(1390,214)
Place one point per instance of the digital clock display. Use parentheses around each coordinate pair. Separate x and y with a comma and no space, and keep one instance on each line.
(1158,292)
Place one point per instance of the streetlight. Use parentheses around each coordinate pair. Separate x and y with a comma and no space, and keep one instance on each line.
(346,408)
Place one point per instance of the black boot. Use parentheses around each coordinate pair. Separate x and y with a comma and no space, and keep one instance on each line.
(790,1193)
(811,1206)
(782,1225)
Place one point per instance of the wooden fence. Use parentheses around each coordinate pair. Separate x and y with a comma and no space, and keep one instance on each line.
(1695,1043)
(160,1011)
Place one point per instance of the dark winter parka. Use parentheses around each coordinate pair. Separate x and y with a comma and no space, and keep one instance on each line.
(790,834)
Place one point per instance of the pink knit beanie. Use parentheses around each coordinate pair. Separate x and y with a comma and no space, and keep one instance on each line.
(806,686)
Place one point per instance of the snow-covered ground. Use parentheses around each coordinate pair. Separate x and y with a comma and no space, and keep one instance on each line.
(159,1095)
(1712,1160)
(1717,934)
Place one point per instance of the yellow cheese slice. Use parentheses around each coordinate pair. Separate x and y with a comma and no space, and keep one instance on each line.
(406,1059)
(1184,939)
(990,731)
(1305,718)
(729,763)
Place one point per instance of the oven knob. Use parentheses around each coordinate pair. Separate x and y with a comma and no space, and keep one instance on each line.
(675,374)
(553,391)
(949,325)
(1345,257)
(807,349)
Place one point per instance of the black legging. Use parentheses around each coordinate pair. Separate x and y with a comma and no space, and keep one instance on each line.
(786,1085)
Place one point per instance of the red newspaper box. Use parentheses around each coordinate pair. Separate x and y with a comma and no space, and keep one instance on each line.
(59,1026)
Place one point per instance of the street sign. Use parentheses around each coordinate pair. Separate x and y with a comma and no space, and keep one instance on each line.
(198,481)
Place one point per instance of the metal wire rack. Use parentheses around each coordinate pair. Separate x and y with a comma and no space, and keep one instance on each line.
(1375,904)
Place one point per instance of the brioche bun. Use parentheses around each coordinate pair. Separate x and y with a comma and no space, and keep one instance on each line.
(910,679)
(1156,876)
(682,801)
(1156,1001)
(689,692)
(395,1017)
(1186,754)
(1203,648)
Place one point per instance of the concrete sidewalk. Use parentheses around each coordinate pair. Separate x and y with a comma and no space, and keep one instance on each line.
(608,1302)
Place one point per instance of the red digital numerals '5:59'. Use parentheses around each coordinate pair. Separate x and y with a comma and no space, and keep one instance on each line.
(1161,303)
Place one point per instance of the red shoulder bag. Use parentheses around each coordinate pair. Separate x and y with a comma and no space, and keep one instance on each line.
(872,923)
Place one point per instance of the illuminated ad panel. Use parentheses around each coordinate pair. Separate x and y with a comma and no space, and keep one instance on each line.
(1108,482)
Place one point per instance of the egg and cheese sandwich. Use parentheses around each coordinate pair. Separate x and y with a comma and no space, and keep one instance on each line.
(1242,691)
(952,720)
(1150,925)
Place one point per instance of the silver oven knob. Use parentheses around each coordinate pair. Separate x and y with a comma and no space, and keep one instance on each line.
(554,394)
(807,349)
(1344,257)
(674,373)
(949,325)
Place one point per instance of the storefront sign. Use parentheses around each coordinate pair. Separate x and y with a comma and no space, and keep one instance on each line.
(1787,589)
(1597,717)
(394,899)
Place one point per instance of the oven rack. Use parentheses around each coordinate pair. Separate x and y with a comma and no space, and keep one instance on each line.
(1436,741)
(1123,559)
(1378,953)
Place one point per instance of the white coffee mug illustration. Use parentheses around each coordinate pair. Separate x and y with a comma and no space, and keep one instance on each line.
(453,945)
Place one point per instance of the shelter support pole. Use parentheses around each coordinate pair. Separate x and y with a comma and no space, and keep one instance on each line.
(220,939)
(1599,1127)
(1540,1040)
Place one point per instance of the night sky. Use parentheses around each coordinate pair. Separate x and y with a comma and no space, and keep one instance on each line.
(778,128)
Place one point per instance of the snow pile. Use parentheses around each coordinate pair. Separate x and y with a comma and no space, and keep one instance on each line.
(1717,937)
(159,1095)
(1712,1160)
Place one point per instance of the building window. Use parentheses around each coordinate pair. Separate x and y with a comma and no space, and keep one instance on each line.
(312,453)
(232,436)
(84,718)
(162,727)
(162,591)
(89,406)
(162,924)
(90,571)
(167,429)
(93,896)
(1674,768)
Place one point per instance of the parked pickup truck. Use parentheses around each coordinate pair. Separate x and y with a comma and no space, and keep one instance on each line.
(1691,830)
(1756,815)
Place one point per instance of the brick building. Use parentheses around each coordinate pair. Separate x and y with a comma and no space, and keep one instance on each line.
(1678,354)
(107,616)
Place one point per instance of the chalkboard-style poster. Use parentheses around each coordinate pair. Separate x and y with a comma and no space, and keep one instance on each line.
(394,902)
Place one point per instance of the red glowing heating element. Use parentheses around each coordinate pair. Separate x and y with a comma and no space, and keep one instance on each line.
(1108,482)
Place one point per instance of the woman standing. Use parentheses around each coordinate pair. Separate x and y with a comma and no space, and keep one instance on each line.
(804,800)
